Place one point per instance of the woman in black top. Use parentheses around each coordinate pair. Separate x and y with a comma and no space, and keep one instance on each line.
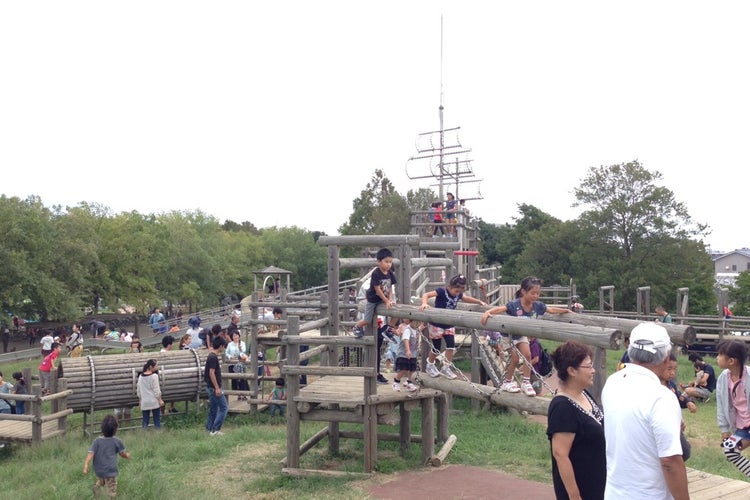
(574,427)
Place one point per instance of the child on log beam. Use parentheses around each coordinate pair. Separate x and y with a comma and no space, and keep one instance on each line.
(525,305)
(445,298)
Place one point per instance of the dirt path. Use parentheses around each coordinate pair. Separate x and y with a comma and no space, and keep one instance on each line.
(459,482)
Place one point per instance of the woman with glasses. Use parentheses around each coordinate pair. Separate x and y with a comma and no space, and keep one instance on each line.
(445,298)
(574,427)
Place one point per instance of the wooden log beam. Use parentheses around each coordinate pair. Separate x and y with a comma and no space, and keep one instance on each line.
(517,401)
(680,334)
(307,445)
(595,336)
(438,459)
(326,473)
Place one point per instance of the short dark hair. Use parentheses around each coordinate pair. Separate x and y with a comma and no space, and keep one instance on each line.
(218,342)
(569,354)
(277,310)
(167,341)
(216,329)
(55,345)
(383,253)
(109,426)
(280,381)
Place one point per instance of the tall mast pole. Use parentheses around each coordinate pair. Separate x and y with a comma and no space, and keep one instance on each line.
(441,166)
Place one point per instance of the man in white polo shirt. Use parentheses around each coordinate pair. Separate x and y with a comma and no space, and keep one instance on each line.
(642,424)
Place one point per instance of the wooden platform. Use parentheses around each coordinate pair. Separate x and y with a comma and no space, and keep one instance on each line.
(704,486)
(348,392)
(20,432)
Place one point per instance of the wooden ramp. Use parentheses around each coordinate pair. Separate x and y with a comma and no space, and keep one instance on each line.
(705,486)
(21,432)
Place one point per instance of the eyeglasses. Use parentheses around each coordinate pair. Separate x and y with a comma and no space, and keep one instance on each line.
(587,367)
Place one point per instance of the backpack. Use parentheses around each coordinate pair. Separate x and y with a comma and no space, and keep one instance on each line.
(545,363)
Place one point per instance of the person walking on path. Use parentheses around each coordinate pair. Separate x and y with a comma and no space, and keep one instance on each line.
(149,394)
(445,298)
(574,427)
(642,428)
(103,452)
(75,342)
(525,305)
(156,320)
(217,401)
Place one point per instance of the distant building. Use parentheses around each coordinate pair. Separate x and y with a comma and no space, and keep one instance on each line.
(728,266)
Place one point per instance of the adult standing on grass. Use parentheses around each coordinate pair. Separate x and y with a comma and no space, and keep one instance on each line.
(642,429)
(574,427)
(149,394)
(217,402)
(526,305)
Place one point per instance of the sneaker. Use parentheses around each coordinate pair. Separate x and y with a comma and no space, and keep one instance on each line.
(708,398)
(216,433)
(397,386)
(411,387)
(382,379)
(447,372)
(527,388)
(432,370)
(358,332)
(510,386)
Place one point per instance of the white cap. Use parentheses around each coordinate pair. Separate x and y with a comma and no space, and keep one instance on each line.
(649,337)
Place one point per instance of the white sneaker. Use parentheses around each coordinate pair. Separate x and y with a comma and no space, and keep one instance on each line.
(411,387)
(432,370)
(511,386)
(397,386)
(447,372)
(527,388)
(216,433)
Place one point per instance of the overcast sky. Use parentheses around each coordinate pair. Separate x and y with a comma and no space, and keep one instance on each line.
(278,113)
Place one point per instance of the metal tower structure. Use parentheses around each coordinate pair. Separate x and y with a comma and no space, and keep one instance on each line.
(440,155)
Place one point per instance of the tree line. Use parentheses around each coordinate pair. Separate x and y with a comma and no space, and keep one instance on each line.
(57,263)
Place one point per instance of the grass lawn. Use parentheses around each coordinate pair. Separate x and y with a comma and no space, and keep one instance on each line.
(182,461)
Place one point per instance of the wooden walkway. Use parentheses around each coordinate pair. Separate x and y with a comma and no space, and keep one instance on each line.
(704,486)
(20,432)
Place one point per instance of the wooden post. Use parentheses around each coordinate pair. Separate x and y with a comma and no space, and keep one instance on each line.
(438,459)
(62,422)
(404,428)
(476,367)
(442,417)
(36,425)
(428,429)
(292,385)
(600,374)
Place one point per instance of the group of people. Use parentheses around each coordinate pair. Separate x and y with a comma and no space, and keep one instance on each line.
(444,216)
(635,447)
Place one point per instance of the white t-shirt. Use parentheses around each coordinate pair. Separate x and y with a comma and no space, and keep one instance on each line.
(47,342)
(641,424)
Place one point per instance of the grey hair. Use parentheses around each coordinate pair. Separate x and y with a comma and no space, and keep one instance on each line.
(643,357)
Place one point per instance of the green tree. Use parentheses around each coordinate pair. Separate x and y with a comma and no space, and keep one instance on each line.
(379,209)
(626,206)
(295,250)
